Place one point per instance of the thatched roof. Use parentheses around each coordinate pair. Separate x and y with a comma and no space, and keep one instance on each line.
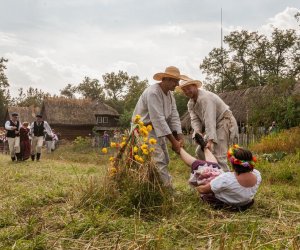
(59,110)
(26,114)
(241,101)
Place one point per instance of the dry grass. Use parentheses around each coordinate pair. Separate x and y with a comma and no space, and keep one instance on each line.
(55,204)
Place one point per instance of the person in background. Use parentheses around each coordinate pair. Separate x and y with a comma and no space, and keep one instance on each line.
(37,130)
(49,142)
(24,141)
(273,128)
(105,140)
(13,136)
(211,117)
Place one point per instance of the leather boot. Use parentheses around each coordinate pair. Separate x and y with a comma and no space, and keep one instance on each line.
(13,158)
(32,157)
(38,156)
(19,157)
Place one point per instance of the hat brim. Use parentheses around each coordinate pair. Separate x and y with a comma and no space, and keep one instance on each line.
(160,76)
(187,83)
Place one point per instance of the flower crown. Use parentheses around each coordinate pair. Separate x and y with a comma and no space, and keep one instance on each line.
(233,160)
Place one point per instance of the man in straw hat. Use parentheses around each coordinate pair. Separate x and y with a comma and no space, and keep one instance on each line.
(37,130)
(157,108)
(212,117)
(13,136)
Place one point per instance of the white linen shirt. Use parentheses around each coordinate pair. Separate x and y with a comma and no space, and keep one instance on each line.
(227,189)
(206,113)
(155,107)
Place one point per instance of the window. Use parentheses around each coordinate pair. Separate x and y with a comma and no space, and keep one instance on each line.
(102,119)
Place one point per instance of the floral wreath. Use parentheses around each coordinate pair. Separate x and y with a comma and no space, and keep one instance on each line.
(235,161)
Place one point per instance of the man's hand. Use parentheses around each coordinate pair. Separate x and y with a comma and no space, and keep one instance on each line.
(176,146)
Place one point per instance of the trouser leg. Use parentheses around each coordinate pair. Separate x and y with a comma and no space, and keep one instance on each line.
(11,146)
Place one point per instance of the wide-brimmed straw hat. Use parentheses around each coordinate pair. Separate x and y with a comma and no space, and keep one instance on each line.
(171,72)
(186,82)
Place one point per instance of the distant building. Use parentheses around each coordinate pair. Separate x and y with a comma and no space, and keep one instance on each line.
(26,114)
(78,117)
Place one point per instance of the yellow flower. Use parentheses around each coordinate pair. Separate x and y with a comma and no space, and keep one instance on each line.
(145,139)
(152,141)
(136,119)
(124,138)
(136,157)
(104,150)
(112,171)
(145,151)
(144,146)
(135,149)
(113,144)
(144,131)
(149,128)
(141,160)
(141,123)
(122,144)
(151,149)
(111,158)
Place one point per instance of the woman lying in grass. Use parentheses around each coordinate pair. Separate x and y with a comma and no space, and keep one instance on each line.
(234,190)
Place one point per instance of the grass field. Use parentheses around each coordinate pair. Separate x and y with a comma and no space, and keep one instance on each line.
(41,207)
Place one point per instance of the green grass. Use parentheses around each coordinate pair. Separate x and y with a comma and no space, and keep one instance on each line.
(41,207)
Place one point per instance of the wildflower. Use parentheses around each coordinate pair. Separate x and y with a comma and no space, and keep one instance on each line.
(151,150)
(152,141)
(141,123)
(104,150)
(122,144)
(136,157)
(112,171)
(124,138)
(113,144)
(145,139)
(111,158)
(145,151)
(149,128)
(144,146)
(144,131)
(136,119)
(135,149)
(141,160)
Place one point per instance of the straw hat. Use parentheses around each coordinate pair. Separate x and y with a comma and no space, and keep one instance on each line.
(188,81)
(171,72)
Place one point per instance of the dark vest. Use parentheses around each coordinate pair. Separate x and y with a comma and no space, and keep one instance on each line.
(12,133)
(38,130)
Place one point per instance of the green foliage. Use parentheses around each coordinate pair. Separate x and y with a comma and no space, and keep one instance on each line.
(33,97)
(68,91)
(181,103)
(251,59)
(90,88)
(4,92)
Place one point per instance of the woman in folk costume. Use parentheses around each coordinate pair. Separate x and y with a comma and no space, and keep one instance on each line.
(37,130)
(233,190)
(24,141)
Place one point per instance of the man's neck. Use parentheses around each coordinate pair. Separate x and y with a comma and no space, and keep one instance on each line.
(164,88)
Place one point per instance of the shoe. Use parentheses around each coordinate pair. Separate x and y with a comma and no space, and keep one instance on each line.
(200,141)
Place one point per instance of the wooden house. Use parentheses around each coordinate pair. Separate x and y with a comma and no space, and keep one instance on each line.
(78,117)
(26,114)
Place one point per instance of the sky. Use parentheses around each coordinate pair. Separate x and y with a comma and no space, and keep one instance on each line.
(52,43)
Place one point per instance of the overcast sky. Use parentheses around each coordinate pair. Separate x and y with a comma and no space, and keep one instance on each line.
(50,43)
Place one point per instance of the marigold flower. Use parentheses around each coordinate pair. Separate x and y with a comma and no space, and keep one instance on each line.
(137,119)
(152,141)
(144,146)
(141,123)
(124,138)
(151,149)
(149,128)
(135,149)
(145,139)
(136,157)
(104,150)
(111,158)
(145,151)
(122,144)
(141,160)
(113,144)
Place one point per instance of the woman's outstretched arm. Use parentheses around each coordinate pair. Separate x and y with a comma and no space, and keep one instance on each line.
(186,157)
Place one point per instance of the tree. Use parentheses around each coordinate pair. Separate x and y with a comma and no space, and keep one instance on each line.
(4,92)
(181,103)
(68,91)
(251,59)
(90,88)
(32,97)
